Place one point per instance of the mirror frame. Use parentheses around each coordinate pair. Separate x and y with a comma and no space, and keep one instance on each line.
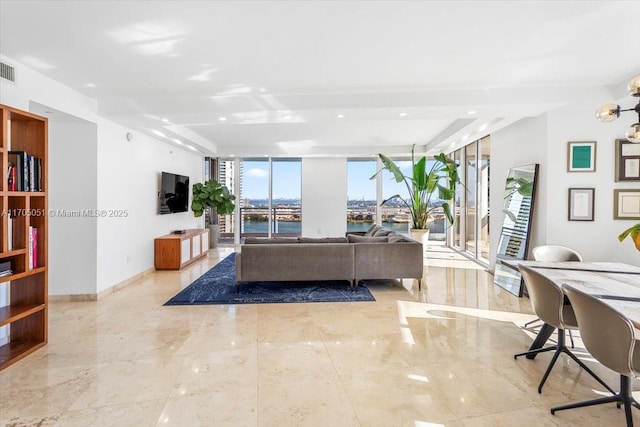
(506,276)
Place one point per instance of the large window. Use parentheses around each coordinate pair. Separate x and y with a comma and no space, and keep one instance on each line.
(286,190)
(361,194)
(395,215)
(226,176)
(471,232)
(270,202)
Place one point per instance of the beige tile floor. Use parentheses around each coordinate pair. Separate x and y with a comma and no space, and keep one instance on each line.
(439,357)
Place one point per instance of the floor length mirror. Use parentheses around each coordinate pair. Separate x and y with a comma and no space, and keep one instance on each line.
(519,196)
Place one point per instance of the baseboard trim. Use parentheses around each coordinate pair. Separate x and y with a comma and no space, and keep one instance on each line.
(104,292)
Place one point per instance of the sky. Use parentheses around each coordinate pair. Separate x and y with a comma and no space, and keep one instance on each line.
(287,180)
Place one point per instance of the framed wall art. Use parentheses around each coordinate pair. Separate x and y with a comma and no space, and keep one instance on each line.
(627,161)
(581,156)
(581,204)
(626,204)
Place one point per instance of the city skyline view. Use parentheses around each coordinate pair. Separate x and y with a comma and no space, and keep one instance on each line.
(286,180)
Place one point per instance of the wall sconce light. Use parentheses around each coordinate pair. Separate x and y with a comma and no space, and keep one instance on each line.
(610,112)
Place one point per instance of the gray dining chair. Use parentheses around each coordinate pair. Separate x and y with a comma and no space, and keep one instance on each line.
(612,340)
(547,300)
(554,253)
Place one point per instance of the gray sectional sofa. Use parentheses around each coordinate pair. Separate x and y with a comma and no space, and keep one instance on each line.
(355,257)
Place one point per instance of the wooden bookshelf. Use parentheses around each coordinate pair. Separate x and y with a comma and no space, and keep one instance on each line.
(24,317)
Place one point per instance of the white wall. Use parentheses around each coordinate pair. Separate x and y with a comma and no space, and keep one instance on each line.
(522,143)
(544,140)
(324,197)
(597,240)
(73,161)
(129,181)
(125,177)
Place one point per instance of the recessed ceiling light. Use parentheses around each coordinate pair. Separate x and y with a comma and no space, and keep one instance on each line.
(287,117)
(222,119)
(471,112)
(403,114)
(90,85)
(165,120)
(340,116)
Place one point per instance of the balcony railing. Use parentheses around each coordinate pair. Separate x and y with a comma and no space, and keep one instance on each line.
(286,221)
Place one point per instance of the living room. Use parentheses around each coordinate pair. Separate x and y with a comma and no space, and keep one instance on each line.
(105,157)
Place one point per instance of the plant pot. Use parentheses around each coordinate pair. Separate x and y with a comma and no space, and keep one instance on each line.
(421,235)
(214,233)
(636,241)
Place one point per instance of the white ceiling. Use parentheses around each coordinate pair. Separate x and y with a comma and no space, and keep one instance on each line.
(273,77)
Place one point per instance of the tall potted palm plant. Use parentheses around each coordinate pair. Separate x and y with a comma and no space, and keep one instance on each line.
(215,196)
(424,187)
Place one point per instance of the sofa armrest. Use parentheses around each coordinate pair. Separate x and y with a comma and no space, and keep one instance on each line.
(388,260)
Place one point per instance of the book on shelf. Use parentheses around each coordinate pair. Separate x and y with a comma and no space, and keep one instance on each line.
(18,159)
(31,164)
(11,177)
(39,174)
(34,247)
(30,249)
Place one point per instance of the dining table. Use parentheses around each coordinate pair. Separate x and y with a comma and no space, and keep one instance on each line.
(617,284)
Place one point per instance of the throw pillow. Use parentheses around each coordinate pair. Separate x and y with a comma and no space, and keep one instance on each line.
(372,230)
(367,239)
(396,238)
(382,232)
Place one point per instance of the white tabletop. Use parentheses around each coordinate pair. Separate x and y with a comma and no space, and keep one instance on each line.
(617,284)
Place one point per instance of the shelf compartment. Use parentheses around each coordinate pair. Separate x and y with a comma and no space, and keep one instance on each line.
(17,218)
(11,314)
(13,351)
(18,265)
(38,218)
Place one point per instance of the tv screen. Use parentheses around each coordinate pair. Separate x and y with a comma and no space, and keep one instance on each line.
(174,193)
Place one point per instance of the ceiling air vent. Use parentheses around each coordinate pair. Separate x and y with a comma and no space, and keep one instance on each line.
(7,72)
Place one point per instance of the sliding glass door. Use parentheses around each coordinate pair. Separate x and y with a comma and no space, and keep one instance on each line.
(471,232)
(270,197)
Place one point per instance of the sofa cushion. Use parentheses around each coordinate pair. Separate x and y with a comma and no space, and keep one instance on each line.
(268,241)
(382,232)
(367,239)
(323,240)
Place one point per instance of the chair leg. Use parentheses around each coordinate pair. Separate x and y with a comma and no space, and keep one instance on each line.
(561,348)
(625,397)
(548,371)
(532,321)
(586,368)
(536,351)
(571,338)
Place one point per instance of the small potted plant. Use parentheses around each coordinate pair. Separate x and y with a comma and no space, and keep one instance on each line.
(634,232)
(212,195)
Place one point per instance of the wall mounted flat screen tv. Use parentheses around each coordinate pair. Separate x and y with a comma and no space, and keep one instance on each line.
(174,193)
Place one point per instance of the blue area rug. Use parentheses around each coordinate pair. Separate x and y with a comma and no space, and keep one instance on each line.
(218,286)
